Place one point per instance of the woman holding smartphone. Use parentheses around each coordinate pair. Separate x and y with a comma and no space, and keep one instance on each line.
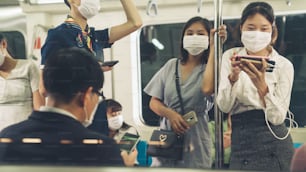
(258,100)
(195,73)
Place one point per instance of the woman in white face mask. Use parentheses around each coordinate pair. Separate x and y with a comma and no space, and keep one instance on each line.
(257,97)
(19,80)
(195,70)
(108,120)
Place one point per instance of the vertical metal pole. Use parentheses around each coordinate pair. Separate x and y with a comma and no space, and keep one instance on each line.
(218,114)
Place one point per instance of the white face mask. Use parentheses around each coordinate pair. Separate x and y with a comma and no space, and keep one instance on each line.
(115,123)
(89,8)
(87,121)
(195,44)
(255,41)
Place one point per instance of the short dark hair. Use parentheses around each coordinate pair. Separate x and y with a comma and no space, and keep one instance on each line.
(70,71)
(207,26)
(67,3)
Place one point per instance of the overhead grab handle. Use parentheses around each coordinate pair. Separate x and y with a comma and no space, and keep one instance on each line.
(152,9)
(199,5)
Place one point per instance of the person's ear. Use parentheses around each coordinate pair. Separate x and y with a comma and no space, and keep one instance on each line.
(87,96)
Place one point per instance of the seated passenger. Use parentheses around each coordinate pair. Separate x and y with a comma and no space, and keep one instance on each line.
(18,87)
(56,134)
(109,121)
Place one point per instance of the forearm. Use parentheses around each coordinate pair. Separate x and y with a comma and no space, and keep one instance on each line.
(161,109)
(133,22)
(131,13)
(38,100)
(208,81)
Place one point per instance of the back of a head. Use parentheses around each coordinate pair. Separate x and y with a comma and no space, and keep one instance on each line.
(71,71)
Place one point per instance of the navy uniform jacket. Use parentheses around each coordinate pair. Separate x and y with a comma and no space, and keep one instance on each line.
(69,34)
(62,141)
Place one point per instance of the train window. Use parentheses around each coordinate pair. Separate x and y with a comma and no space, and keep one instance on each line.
(16,44)
(159,43)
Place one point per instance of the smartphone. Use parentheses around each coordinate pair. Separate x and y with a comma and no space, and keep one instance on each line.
(191,118)
(110,63)
(128,142)
(255,60)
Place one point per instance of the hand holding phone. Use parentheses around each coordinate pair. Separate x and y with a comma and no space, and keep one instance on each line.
(109,63)
(256,61)
(191,118)
(128,142)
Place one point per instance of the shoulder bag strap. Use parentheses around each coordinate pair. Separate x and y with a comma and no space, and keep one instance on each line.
(178,88)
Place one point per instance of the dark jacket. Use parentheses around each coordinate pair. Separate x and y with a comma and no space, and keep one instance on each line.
(58,139)
(69,35)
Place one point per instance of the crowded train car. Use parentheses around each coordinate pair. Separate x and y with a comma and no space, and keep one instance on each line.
(136,57)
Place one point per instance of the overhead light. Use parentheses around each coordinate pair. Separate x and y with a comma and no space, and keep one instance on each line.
(157,44)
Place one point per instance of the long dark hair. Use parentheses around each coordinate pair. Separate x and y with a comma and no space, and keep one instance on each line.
(191,21)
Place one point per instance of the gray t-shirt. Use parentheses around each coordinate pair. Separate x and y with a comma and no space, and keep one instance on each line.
(197,139)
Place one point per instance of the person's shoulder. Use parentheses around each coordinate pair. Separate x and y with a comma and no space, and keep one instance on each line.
(98,136)
(281,60)
(63,30)
(171,62)
(13,131)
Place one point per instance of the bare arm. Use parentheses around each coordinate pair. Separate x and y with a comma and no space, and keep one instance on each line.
(177,122)
(208,82)
(133,22)
(38,100)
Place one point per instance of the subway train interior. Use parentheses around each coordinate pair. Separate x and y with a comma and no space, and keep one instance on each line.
(141,54)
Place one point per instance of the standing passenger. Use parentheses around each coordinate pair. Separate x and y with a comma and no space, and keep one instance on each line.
(19,93)
(258,100)
(195,70)
(75,32)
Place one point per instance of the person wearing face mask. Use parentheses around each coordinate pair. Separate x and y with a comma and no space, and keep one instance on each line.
(19,93)
(57,133)
(109,121)
(75,32)
(258,100)
(196,77)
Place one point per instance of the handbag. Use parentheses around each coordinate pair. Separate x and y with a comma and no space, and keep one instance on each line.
(166,143)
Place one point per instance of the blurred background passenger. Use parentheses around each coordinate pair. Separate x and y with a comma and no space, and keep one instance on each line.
(227,131)
(19,81)
(298,163)
(109,121)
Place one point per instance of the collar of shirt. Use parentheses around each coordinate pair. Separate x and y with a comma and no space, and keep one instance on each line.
(57,110)
(71,21)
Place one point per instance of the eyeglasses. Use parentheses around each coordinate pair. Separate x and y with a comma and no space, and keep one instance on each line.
(99,94)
